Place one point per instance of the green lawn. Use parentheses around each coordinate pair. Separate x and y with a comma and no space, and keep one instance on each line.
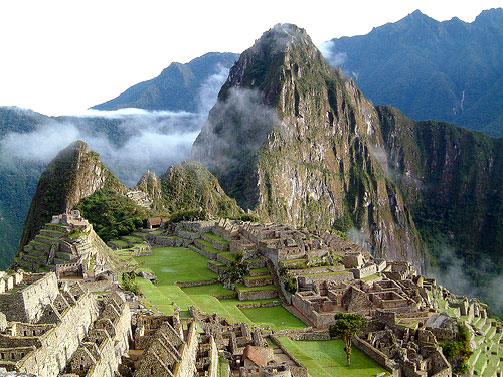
(212,290)
(277,317)
(120,243)
(328,359)
(172,264)
(216,238)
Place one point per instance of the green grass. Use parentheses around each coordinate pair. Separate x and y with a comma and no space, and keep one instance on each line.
(228,255)
(328,359)
(217,238)
(134,239)
(208,246)
(297,260)
(242,288)
(120,243)
(212,290)
(370,277)
(172,264)
(277,317)
(156,232)
(223,367)
(260,270)
(269,276)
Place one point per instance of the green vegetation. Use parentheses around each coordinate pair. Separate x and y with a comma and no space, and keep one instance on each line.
(327,359)
(459,351)
(235,273)
(346,326)
(276,317)
(128,282)
(112,214)
(190,188)
(171,264)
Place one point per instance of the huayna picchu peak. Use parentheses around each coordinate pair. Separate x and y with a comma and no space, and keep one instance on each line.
(293,139)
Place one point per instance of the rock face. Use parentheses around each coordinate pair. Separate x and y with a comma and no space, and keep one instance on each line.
(190,186)
(451,179)
(75,173)
(296,141)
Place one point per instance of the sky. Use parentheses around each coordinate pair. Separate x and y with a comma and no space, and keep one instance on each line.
(62,57)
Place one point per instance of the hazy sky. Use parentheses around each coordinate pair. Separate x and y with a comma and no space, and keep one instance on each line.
(61,57)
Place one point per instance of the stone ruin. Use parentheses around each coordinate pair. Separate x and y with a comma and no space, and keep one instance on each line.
(49,328)
(246,350)
(169,346)
(69,246)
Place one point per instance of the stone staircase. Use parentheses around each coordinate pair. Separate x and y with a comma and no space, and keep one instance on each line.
(35,254)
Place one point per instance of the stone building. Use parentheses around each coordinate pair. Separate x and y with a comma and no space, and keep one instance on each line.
(169,346)
(46,324)
(69,246)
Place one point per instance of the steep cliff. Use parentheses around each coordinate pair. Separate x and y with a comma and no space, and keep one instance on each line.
(296,141)
(75,173)
(452,181)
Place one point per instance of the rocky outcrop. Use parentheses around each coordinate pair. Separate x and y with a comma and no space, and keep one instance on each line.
(75,173)
(190,186)
(296,141)
(150,185)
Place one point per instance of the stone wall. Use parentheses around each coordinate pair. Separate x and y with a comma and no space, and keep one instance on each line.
(59,343)
(187,366)
(376,355)
(342,277)
(316,336)
(257,295)
(112,350)
(27,304)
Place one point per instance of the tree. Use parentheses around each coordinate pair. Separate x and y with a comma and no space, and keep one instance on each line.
(346,326)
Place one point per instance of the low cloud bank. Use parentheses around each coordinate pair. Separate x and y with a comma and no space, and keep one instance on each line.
(130,141)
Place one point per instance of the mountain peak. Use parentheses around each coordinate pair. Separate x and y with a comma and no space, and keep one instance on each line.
(490,18)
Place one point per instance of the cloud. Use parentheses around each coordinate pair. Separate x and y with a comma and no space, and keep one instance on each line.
(452,273)
(335,58)
(236,127)
(130,141)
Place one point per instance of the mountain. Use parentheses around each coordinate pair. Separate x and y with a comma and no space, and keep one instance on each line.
(75,173)
(449,71)
(294,140)
(451,179)
(190,186)
(77,179)
(176,88)
(17,182)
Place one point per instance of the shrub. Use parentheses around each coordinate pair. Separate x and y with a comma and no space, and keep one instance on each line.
(290,285)
(192,215)
(129,282)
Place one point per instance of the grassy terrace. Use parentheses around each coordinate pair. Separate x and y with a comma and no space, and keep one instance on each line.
(268,276)
(217,238)
(172,264)
(208,246)
(120,243)
(370,277)
(242,288)
(328,359)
